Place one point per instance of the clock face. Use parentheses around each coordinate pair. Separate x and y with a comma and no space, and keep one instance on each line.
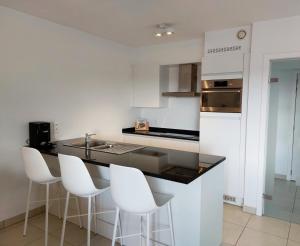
(241,34)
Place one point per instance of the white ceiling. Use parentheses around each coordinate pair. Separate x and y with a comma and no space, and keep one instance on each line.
(132,22)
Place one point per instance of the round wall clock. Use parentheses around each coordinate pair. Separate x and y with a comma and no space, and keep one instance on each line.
(241,34)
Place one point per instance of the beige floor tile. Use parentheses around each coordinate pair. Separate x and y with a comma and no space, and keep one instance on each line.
(54,223)
(226,244)
(74,235)
(52,241)
(295,233)
(13,235)
(270,225)
(235,214)
(256,238)
(292,243)
(231,232)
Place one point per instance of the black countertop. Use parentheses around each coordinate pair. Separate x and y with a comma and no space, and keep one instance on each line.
(165,133)
(173,165)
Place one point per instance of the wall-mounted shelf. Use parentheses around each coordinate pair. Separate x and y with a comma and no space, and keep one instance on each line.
(181,94)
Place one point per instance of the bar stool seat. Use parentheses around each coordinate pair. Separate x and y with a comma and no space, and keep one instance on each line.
(38,172)
(132,194)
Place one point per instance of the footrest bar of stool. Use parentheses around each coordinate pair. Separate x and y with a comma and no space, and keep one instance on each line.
(81,215)
(131,235)
(166,229)
(53,199)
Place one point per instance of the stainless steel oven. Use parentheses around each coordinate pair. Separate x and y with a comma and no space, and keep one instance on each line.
(221,95)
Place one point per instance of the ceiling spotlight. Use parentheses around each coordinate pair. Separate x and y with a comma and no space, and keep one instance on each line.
(164,29)
(169,31)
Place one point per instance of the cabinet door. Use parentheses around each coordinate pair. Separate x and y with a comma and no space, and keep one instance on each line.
(221,136)
(146,86)
(223,64)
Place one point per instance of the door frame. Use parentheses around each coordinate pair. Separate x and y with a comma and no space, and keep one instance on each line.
(293,176)
(262,155)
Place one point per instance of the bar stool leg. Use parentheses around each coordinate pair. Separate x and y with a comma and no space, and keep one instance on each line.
(95,215)
(141,231)
(65,220)
(148,230)
(171,224)
(120,229)
(89,221)
(79,212)
(47,214)
(27,207)
(113,242)
(58,190)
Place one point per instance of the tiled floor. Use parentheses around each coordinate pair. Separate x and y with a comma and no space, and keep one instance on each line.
(241,229)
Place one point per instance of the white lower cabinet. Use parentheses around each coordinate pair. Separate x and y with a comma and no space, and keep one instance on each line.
(220,134)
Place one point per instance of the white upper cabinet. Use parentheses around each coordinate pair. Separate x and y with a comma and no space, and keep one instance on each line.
(225,64)
(149,80)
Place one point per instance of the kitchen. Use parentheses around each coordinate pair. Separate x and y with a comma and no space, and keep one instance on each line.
(82,83)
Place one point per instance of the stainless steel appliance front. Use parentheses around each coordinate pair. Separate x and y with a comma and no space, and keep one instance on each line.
(221,96)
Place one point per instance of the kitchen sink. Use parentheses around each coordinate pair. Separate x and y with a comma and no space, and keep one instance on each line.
(102,146)
(91,144)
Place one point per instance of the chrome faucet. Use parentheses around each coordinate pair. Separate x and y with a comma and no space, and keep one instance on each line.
(88,139)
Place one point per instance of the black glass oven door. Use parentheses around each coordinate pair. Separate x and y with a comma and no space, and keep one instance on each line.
(221,100)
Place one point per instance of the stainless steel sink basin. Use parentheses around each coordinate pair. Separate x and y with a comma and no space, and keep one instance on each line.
(91,144)
(107,147)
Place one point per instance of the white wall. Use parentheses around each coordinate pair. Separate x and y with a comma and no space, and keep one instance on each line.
(181,113)
(54,73)
(268,37)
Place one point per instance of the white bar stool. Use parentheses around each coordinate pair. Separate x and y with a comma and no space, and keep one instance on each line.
(131,193)
(37,171)
(77,180)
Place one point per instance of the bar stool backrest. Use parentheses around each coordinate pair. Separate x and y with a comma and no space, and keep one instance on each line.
(130,190)
(35,166)
(75,176)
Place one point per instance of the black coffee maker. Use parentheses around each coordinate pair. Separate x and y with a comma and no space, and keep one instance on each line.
(39,135)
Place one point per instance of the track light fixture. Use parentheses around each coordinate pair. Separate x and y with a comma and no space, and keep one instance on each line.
(164,29)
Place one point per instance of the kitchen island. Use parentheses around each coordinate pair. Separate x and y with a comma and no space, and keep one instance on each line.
(195,180)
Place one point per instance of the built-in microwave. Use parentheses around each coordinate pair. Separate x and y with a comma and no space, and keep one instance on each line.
(221,96)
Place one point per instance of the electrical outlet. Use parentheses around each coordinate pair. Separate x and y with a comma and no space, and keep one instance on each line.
(56,130)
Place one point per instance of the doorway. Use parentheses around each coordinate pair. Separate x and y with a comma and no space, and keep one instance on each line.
(282,173)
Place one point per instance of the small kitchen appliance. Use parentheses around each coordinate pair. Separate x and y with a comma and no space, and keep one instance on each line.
(39,135)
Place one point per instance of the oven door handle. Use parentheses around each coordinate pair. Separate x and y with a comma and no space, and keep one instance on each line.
(218,91)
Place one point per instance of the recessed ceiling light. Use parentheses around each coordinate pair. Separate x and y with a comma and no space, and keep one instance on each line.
(164,29)
(169,31)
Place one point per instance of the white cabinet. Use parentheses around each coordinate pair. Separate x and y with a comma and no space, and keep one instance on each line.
(226,65)
(220,134)
(149,81)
